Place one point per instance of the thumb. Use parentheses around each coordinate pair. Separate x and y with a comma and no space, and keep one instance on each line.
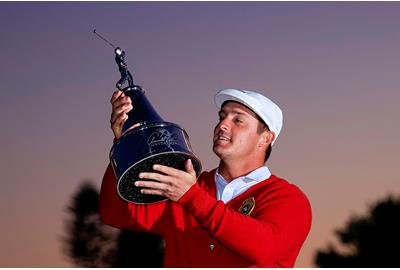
(189,167)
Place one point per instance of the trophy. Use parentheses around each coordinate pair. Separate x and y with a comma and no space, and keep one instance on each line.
(146,140)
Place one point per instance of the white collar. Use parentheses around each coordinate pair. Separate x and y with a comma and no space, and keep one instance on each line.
(227,191)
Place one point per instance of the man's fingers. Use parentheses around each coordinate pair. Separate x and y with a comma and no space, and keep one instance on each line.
(189,167)
(152,185)
(120,112)
(167,181)
(155,176)
(117,116)
(124,108)
(167,170)
(121,105)
(122,100)
(152,192)
(116,95)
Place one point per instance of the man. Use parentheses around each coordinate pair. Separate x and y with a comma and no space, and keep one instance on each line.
(237,215)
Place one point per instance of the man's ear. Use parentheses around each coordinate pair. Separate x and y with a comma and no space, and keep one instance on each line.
(267,137)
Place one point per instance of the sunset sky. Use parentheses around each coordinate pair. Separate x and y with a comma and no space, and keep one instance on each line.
(333,67)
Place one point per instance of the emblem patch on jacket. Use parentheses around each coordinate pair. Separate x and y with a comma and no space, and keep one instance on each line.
(247,206)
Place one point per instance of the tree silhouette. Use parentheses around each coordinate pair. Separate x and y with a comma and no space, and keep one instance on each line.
(90,243)
(371,241)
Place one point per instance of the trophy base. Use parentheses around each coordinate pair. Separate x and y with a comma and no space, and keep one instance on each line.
(126,184)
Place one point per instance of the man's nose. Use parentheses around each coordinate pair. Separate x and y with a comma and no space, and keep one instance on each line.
(224,125)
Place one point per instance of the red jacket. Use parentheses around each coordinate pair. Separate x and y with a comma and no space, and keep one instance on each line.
(200,231)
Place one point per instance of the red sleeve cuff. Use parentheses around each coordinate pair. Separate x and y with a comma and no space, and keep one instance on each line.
(189,195)
(198,202)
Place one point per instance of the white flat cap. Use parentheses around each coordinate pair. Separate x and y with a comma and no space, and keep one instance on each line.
(265,108)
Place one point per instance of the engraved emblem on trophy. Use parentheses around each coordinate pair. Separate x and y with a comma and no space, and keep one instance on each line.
(151,141)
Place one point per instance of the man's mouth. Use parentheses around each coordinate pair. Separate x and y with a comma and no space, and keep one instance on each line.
(223,138)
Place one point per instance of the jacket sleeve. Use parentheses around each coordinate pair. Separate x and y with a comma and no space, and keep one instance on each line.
(118,213)
(276,229)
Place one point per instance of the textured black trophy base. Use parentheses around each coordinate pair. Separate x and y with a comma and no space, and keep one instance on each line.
(126,185)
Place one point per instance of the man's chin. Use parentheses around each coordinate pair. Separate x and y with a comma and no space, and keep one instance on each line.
(219,151)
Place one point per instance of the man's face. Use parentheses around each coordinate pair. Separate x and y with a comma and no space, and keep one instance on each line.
(235,135)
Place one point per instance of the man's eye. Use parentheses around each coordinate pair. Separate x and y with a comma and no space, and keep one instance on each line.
(238,120)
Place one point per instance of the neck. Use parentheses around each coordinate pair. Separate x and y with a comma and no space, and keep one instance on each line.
(231,171)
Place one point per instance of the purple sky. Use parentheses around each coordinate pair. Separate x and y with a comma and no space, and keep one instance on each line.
(333,67)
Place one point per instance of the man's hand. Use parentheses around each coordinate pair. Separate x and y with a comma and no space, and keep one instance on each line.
(170,182)
(121,105)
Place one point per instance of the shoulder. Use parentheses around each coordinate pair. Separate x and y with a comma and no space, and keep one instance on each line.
(281,185)
(279,198)
(278,189)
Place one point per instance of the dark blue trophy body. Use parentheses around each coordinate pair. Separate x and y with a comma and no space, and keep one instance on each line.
(153,141)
